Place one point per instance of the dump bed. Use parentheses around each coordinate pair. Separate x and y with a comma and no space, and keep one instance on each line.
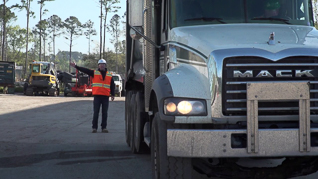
(7,73)
(7,76)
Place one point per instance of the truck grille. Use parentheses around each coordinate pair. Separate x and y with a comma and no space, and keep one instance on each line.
(240,70)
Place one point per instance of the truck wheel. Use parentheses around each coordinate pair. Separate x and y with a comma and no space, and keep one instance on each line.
(127,121)
(131,123)
(162,165)
(140,121)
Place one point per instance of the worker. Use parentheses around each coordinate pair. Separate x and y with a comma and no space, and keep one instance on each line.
(103,88)
(271,8)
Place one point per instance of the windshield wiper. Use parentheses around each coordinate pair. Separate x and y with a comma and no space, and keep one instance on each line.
(206,19)
(272,19)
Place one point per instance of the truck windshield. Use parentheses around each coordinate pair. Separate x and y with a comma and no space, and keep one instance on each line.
(44,69)
(202,12)
(115,78)
(36,68)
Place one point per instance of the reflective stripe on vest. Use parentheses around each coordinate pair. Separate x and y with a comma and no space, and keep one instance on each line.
(100,86)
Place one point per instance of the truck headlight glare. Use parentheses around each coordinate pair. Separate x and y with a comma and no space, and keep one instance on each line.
(185,107)
(171,107)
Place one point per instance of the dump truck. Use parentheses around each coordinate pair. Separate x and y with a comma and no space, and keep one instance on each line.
(209,83)
(42,79)
(7,76)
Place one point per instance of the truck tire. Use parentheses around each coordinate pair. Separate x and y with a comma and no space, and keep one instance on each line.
(127,121)
(140,145)
(162,165)
(132,124)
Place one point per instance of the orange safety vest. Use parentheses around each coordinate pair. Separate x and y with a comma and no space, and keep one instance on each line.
(100,86)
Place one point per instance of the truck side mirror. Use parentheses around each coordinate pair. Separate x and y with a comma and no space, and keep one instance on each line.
(135,13)
(135,18)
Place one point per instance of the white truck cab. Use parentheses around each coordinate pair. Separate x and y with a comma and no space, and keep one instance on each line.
(211,82)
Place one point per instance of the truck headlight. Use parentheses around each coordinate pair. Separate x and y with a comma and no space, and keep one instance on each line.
(185,107)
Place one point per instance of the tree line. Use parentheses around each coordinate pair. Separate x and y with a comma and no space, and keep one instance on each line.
(315,8)
(24,44)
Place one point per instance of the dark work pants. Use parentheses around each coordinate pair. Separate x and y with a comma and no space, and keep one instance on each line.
(98,101)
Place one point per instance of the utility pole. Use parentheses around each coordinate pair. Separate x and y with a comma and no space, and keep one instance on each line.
(4,30)
(101,29)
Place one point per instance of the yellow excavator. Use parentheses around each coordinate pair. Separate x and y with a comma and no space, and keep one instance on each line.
(42,80)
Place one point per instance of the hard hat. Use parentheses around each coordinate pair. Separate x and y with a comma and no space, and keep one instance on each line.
(102,61)
(272,5)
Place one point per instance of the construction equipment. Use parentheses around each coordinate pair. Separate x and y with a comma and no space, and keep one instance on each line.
(68,80)
(7,76)
(42,80)
(78,84)
(83,85)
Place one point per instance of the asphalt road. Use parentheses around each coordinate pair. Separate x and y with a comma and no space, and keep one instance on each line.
(50,137)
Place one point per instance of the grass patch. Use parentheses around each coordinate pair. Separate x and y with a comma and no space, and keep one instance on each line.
(16,89)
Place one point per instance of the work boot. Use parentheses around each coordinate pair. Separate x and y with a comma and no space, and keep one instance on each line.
(104,131)
(94,131)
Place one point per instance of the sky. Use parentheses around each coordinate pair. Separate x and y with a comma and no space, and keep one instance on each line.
(84,10)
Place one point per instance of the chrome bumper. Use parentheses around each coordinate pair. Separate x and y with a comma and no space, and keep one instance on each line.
(217,143)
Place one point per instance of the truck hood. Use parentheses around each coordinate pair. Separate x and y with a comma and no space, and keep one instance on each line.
(208,38)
